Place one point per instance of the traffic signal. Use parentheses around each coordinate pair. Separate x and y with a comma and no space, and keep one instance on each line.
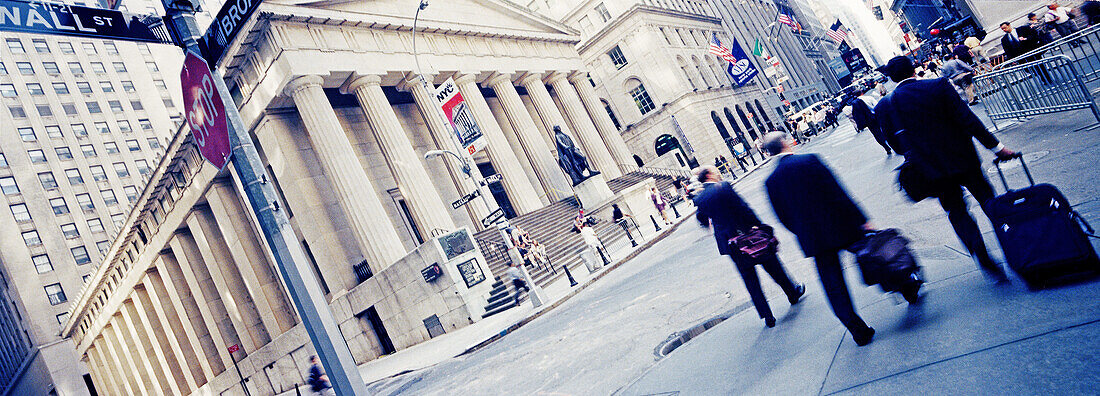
(877,10)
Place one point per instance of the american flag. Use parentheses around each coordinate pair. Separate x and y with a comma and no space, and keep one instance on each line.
(720,50)
(786,17)
(838,32)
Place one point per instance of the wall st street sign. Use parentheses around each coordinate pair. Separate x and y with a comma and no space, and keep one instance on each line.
(70,20)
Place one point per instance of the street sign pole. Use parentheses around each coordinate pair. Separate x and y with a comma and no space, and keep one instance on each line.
(300,281)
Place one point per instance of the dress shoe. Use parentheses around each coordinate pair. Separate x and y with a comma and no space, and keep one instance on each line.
(800,290)
(864,337)
(770,322)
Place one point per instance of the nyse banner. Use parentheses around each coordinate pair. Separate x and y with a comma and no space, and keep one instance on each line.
(70,20)
(226,26)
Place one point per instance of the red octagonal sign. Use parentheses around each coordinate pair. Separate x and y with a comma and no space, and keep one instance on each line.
(205,110)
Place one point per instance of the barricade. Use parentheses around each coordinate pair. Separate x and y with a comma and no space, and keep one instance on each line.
(1045,86)
(1081,47)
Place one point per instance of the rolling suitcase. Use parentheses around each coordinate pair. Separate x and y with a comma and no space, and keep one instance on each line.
(1042,237)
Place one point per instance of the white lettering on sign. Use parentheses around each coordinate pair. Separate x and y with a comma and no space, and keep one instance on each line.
(232,18)
(11,16)
(203,111)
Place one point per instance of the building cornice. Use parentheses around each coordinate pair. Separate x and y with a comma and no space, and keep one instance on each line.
(639,9)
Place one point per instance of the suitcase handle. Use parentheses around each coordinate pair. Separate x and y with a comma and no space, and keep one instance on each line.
(1020,156)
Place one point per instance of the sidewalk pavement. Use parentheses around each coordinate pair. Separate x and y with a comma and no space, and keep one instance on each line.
(966,337)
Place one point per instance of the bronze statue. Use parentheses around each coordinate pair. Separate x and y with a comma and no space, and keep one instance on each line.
(571,159)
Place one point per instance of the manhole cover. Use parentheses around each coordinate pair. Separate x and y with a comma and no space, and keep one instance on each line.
(1028,157)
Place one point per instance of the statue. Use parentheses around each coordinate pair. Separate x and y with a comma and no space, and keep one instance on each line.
(571,160)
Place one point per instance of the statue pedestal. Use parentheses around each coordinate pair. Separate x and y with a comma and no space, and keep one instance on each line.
(593,192)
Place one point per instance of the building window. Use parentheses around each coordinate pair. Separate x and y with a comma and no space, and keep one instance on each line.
(137,106)
(121,170)
(79,130)
(47,180)
(93,107)
(44,110)
(145,124)
(641,97)
(103,246)
(168,102)
(118,219)
(27,134)
(69,108)
(142,166)
(15,46)
(84,201)
(611,113)
(25,68)
(63,153)
(95,225)
(97,68)
(160,84)
(115,106)
(89,48)
(54,132)
(3,161)
(84,87)
(602,10)
(8,186)
(131,193)
(37,156)
(31,238)
(66,47)
(70,231)
(21,213)
(617,57)
(111,48)
(80,255)
(153,143)
(74,177)
(119,67)
(111,147)
(133,145)
(88,150)
(106,86)
(17,112)
(109,197)
(76,68)
(124,126)
(8,90)
(51,67)
(55,294)
(102,127)
(128,86)
(42,263)
(58,205)
(97,173)
(3,69)
(63,318)
(152,66)
(41,46)
(35,89)
(60,88)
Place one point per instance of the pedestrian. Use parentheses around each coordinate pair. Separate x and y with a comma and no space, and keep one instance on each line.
(318,381)
(1091,10)
(594,250)
(1061,18)
(810,203)
(863,115)
(721,207)
(962,75)
(962,52)
(1017,41)
(660,203)
(619,217)
(930,125)
(516,275)
(976,49)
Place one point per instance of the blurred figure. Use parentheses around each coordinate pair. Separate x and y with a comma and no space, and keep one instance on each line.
(1061,18)
(659,203)
(318,381)
(1091,10)
(962,75)
(810,202)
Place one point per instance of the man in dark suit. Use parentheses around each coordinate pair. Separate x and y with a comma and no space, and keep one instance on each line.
(1018,41)
(864,117)
(810,202)
(719,204)
(932,127)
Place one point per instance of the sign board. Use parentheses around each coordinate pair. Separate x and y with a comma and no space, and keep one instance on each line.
(854,60)
(465,199)
(62,19)
(205,110)
(471,272)
(770,71)
(226,25)
(432,272)
(838,66)
(782,79)
(492,217)
(456,243)
(460,116)
(234,348)
(740,68)
(496,178)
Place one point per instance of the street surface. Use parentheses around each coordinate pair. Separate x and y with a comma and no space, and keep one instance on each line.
(967,337)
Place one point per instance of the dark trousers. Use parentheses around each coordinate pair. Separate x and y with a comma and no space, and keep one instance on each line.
(952,201)
(880,137)
(520,284)
(747,267)
(836,290)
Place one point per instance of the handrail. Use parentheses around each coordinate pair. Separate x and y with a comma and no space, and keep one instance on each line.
(665,171)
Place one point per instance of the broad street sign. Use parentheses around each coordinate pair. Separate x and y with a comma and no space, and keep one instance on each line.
(492,179)
(70,20)
(465,199)
(492,217)
(205,110)
(226,25)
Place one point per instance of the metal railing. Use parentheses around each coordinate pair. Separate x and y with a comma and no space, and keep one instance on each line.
(1044,86)
(1081,47)
(494,251)
(362,271)
(665,172)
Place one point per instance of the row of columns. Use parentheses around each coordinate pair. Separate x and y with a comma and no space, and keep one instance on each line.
(380,243)
(211,288)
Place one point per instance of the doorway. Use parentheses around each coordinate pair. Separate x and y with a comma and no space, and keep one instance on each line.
(370,320)
(500,195)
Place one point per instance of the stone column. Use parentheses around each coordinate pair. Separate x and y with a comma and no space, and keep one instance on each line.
(106,373)
(124,351)
(444,138)
(259,275)
(177,375)
(148,364)
(183,332)
(501,154)
(195,281)
(554,181)
(598,155)
(412,178)
(354,189)
(611,136)
(243,327)
(117,369)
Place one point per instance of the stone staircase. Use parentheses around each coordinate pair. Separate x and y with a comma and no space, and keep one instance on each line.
(503,297)
(552,227)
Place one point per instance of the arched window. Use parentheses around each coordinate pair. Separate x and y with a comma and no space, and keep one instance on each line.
(611,113)
(684,68)
(702,74)
(767,120)
(664,144)
(745,121)
(640,95)
(756,118)
(733,123)
(718,72)
(638,160)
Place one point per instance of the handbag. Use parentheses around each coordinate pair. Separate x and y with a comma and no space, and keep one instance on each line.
(756,243)
(914,182)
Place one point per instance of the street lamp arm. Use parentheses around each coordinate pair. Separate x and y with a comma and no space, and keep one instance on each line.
(462,161)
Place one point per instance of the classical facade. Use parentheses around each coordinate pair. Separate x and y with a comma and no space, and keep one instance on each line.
(343,112)
(83,123)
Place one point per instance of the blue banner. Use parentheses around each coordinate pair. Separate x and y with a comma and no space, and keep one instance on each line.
(740,68)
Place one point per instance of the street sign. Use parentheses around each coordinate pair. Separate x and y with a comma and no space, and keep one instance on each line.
(492,217)
(226,25)
(432,272)
(461,118)
(205,110)
(58,18)
(492,179)
(465,199)
(234,348)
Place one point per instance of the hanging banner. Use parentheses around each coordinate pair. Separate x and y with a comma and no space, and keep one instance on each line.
(460,116)
(740,68)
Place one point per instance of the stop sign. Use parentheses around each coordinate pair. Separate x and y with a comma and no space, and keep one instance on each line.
(205,110)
